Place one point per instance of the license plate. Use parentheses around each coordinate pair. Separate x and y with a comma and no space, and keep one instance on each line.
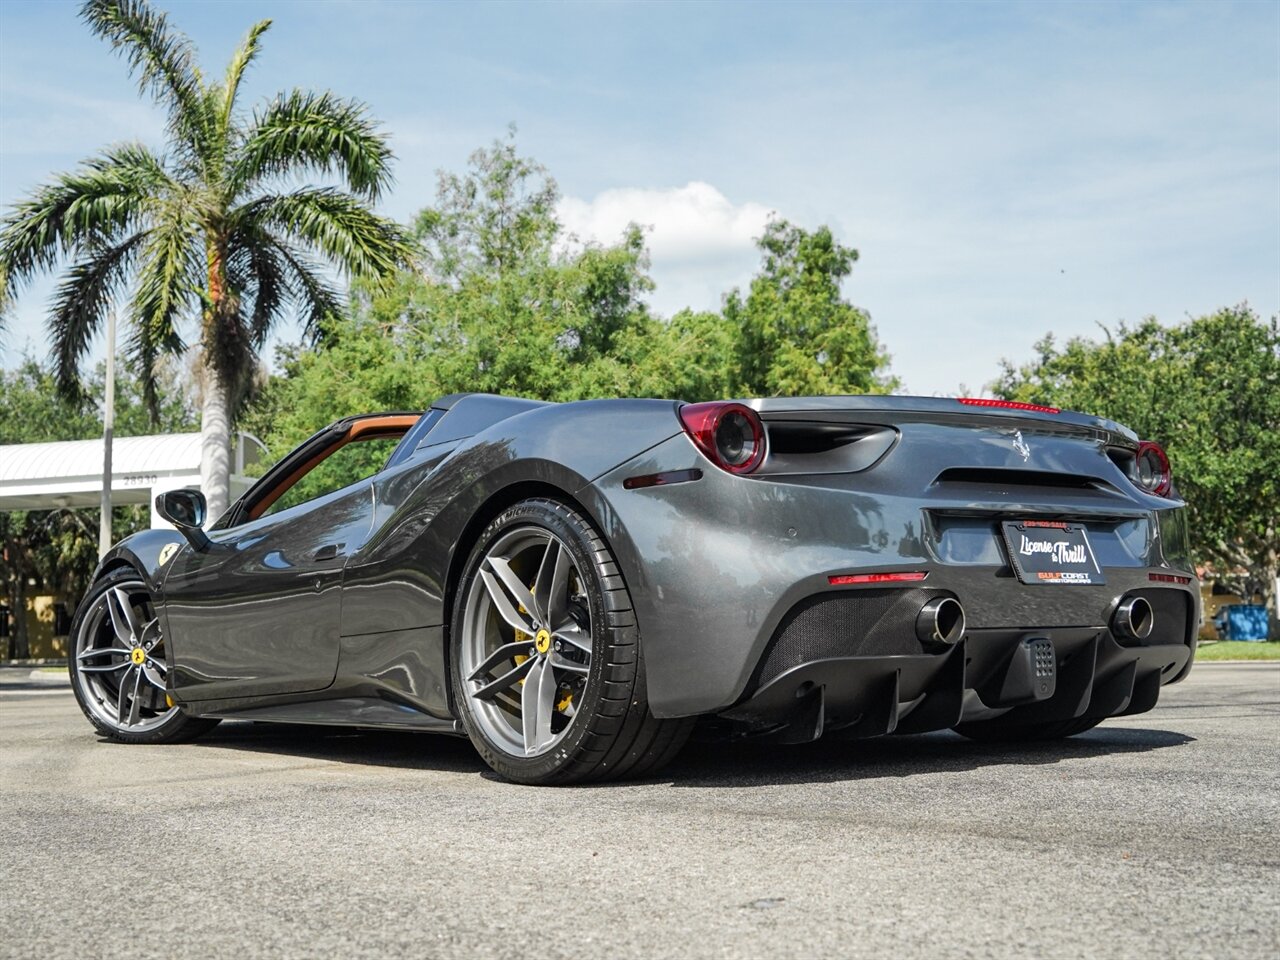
(1046,551)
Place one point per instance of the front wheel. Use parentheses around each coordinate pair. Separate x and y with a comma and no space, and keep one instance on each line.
(545,654)
(118,666)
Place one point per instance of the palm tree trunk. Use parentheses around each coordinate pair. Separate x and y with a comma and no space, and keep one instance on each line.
(1271,586)
(215,442)
(215,414)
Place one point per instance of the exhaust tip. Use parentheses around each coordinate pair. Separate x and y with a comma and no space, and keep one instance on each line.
(1134,618)
(941,620)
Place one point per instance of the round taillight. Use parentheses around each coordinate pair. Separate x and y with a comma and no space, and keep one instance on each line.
(730,434)
(1152,469)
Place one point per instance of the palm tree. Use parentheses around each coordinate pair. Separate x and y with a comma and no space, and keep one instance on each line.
(213,234)
(4,300)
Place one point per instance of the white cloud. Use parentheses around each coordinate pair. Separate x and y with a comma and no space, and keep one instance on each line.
(700,243)
(693,222)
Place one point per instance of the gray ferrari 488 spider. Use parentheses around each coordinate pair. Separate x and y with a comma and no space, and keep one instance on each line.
(574,586)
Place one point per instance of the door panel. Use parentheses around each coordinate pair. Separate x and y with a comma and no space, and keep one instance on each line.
(258,612)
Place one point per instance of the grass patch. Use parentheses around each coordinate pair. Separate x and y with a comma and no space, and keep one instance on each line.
(1239,650)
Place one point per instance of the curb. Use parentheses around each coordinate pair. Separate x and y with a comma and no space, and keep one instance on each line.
(34,662)
(49,679)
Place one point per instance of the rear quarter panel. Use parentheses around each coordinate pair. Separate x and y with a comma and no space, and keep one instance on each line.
(428,507)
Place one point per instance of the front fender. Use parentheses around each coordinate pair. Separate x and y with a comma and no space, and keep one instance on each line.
(149,552)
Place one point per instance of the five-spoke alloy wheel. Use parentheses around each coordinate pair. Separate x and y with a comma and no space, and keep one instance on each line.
(545,654)
(118,667)
(526,647)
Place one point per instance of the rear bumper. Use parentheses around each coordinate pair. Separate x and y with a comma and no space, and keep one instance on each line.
(1091,675)
(716,567)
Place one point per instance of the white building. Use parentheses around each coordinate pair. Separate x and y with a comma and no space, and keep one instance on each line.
(46,476)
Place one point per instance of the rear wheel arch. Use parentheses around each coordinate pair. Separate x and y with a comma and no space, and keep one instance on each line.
(617,735)
(485,514)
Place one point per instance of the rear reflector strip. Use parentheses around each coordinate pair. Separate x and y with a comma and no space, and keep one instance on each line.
(1006,405)
(844,579)
(1167,578)
(662,479)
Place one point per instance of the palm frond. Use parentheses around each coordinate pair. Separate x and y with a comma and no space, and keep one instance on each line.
(144,351)
(244,56)
(208,164)
(161,57)
(304,131)
(106,196)
(80,303)
(259,285)
(168,279)
(278,275)
(257,272)
(6,298)
(314,298)
(336,226)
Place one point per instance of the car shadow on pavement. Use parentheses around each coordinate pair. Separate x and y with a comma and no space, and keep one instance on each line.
(383,748)
(746,764)
(741,764)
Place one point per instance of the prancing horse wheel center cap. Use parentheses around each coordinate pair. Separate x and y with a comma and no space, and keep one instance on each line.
(138,655)
(542,641)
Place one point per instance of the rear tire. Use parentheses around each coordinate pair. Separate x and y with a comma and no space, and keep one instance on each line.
(999,731)
(563,699)
(118,665)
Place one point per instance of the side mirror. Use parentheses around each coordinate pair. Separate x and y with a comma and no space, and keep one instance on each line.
(186,510)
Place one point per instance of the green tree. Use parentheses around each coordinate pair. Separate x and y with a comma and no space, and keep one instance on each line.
(500,308)
(509,305)
(204,232)
(1209,391)
(32,411)
(797,335)
(58,549)
(499,216)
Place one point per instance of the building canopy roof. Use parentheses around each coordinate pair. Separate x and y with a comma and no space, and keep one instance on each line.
(83,458)
(44,476)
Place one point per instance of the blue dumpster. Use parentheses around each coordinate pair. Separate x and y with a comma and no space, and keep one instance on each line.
(1242,621)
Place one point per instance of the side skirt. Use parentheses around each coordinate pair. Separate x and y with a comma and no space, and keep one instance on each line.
(367,712)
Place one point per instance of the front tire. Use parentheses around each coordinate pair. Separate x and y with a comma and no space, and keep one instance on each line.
(118,666)
(545,659)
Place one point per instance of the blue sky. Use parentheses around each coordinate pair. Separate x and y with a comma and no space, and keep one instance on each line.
(1005,170)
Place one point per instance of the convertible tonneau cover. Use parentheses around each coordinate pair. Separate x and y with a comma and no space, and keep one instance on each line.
(943,409)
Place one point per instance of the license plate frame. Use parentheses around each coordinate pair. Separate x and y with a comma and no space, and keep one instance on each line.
(1051,553)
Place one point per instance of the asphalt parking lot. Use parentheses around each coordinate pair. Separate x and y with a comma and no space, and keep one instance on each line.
(1157,835)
